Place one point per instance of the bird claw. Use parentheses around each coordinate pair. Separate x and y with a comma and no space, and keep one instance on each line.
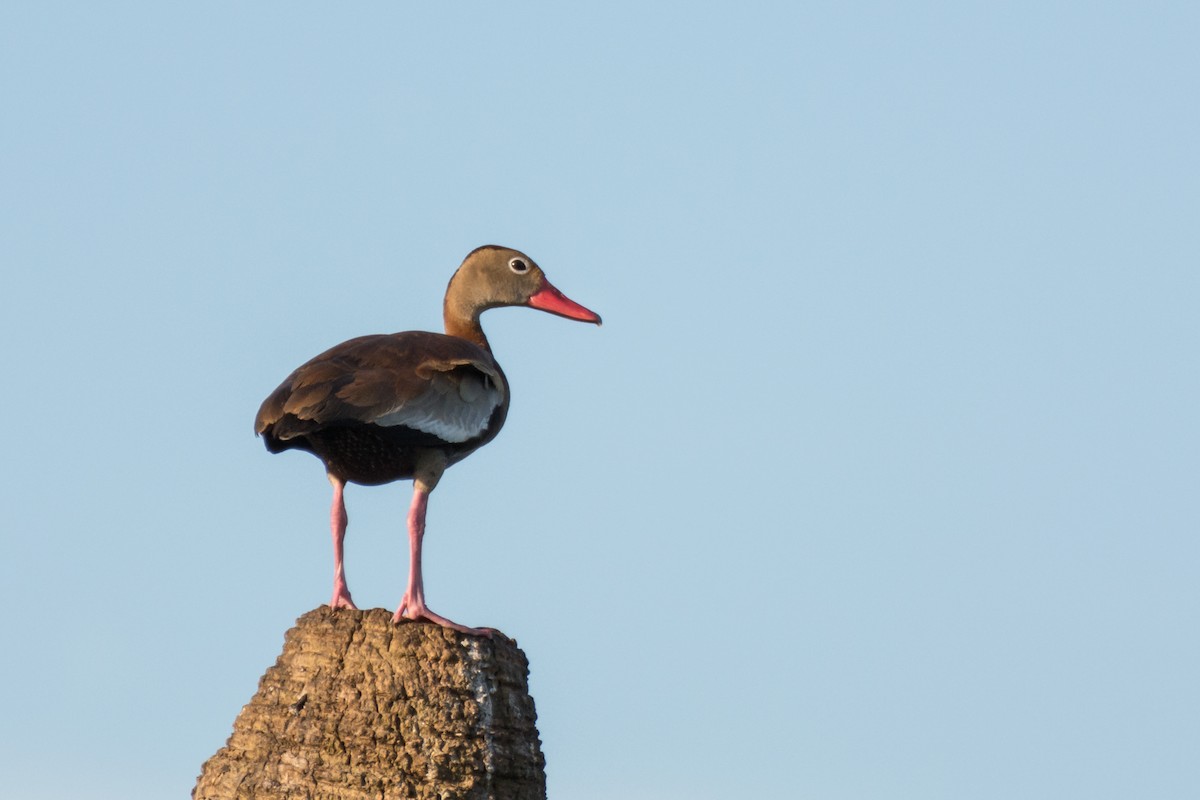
(341,598)
(418,612)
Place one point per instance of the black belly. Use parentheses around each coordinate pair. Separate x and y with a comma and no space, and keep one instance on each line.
(370,454)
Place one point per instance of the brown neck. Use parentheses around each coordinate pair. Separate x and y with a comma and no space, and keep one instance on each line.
(463,323)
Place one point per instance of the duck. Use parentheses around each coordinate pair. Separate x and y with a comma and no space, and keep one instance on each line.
(406,406)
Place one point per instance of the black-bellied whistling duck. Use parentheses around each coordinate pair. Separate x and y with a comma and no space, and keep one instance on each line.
(389,407)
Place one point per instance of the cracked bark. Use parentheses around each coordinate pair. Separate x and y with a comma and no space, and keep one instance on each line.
(356,707)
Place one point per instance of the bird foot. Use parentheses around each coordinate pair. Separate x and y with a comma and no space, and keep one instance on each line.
(341,597)
(417,611)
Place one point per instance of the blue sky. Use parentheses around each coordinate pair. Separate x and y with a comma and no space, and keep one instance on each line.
(880,479)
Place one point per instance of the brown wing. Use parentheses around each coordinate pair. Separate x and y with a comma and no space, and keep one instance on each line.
(439,385)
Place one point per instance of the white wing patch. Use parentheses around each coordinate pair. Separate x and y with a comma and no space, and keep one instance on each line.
(454,409)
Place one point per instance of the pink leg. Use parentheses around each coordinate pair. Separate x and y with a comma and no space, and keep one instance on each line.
(337,524)
(413,607)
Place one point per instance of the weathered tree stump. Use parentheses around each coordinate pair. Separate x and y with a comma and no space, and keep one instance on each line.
(356,708)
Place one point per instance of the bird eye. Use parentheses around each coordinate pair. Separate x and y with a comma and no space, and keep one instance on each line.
(518,266)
